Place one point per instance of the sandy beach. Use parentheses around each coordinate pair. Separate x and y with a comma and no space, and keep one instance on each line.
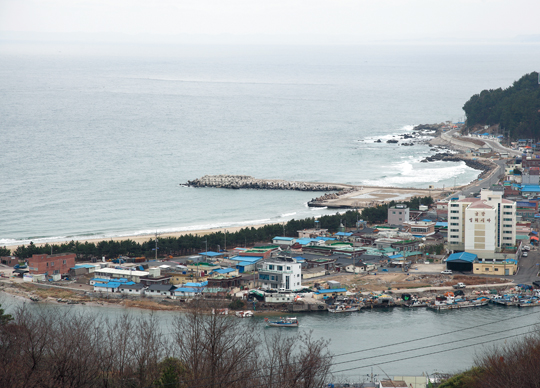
(145,237)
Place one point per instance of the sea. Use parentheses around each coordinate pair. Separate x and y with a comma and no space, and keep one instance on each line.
(98,138)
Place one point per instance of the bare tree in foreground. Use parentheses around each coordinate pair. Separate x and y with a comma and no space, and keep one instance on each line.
(49,348)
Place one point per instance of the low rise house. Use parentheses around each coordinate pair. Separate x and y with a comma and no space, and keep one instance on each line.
(314,272)
(59,263)
(110,286)
(224,282)
(113,273)
(393,384)
(405,245)
(283,241)
(321,294)
(357,268)
(420,228)
(131,289)
(185,292)
(231,272)
(10,261)
(246,263)
(160,290)
(203,268)
(503,267)
(312,233)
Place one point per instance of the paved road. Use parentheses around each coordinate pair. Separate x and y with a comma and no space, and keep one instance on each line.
(528,268)
(494,144)
(485,183)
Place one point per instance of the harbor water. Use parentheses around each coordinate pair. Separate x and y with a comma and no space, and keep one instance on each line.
(393,341)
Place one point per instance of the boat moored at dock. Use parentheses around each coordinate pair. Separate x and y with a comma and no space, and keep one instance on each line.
(282,322)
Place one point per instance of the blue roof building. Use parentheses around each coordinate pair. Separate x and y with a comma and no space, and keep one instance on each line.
(463,257)
(462,261)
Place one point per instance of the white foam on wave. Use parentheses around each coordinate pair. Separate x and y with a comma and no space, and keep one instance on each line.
(127,234)
(393,135)
(411,174)
(288,214)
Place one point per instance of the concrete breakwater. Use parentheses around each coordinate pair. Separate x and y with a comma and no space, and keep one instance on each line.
(249,182)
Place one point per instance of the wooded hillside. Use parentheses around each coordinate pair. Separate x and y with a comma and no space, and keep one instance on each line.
(516,109)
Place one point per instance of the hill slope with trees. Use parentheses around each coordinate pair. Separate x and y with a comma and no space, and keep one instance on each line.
(516,109)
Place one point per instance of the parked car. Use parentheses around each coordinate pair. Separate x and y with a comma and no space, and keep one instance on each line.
(446,272)
(459,285)
(526,248)
(525,254)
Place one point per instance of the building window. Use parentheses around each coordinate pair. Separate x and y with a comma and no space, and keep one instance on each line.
(64,262)
(508,206)
(52,263)
(507,213)
(270,266)
(454,223)
(487,269)
(496,269)
(454,211)
(454,205)
(507,219)
(454,230)
(454,236)
(454,218)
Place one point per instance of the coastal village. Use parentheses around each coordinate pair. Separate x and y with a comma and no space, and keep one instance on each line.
(484,249)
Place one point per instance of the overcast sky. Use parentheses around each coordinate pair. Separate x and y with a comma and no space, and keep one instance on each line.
(309,20)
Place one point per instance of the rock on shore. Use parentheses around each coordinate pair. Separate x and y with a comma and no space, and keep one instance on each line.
(478,164)
(248,182)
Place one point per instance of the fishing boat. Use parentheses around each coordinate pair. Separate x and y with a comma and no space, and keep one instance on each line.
(451,303)
(341,308)
(415,303)
(244,314)
(283,322)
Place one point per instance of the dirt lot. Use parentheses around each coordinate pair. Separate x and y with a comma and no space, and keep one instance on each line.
(400,281)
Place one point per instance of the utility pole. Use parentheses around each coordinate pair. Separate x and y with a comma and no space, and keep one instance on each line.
(156,247)
(225,246)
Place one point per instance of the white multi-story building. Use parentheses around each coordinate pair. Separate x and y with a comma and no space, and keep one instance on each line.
(482,226)
(283,275)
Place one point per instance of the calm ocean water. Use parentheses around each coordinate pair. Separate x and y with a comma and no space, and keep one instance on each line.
(96,139)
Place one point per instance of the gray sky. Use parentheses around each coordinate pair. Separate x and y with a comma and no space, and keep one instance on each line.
(339,21)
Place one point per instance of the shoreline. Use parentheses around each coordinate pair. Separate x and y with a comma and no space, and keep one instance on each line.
(140,238)
(437,140)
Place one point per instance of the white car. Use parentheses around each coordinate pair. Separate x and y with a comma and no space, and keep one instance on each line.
(526,248)
(524,254)
(446,272)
